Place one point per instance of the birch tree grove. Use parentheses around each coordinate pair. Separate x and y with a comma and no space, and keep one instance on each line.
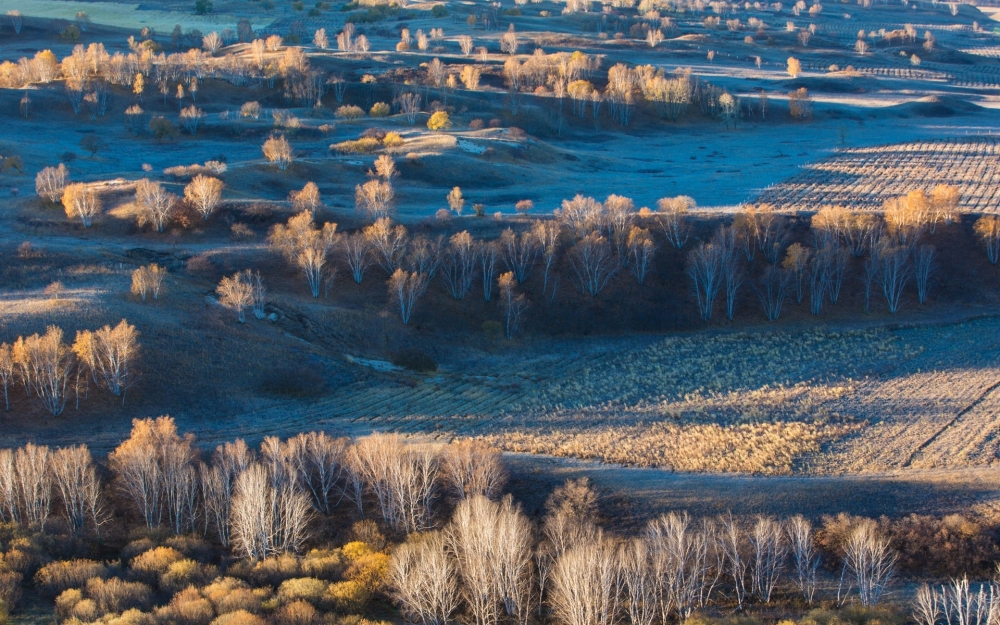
(33,483)
(403,481)
(493,546)
(472,468)
(218,483)
(425,581)
(149,468)
(267,518)
(584,585)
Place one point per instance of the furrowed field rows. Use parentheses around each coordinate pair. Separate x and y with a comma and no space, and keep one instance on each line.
(991,52)
(863,178)
(973,438)
(932,408)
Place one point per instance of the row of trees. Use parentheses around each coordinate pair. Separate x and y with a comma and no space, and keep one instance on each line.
(260,503)
(599,240)
(45,365)
(888,247)
(489,564)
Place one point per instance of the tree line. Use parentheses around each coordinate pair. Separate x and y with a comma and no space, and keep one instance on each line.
(48,368)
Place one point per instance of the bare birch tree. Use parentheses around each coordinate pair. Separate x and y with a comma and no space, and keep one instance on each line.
(546,232)
(641,250)
(734,547)
(673,218)
(473,468)
(512,303)
(305,245)
(219,482)
(869,563)
(805,559)
(769,551)
(50,182)
(319,463)
(406,288)
(458,267)
(704,267)
(81,201)
(585,585)
(236,293)
(403,481)
(424,580)
(112,355)
(593,263)
(267,519)
(487,253)
(894,272)
(7,368)
(204,193)
(154,203)
(10,504)
(923,267)
(388,243)
(987,229)
(34,484)
(374,198)
(357,250)
(519,252)
(45,363)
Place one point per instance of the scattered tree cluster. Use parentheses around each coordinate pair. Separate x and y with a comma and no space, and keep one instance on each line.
(48,368)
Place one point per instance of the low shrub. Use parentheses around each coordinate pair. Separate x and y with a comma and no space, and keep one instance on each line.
(296,613)
(187,607)
(348,596)
(116,595)
(414,360)
(150,565)
(240,617)
(365,145)
(350,111)
(302,588)
(56,577)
